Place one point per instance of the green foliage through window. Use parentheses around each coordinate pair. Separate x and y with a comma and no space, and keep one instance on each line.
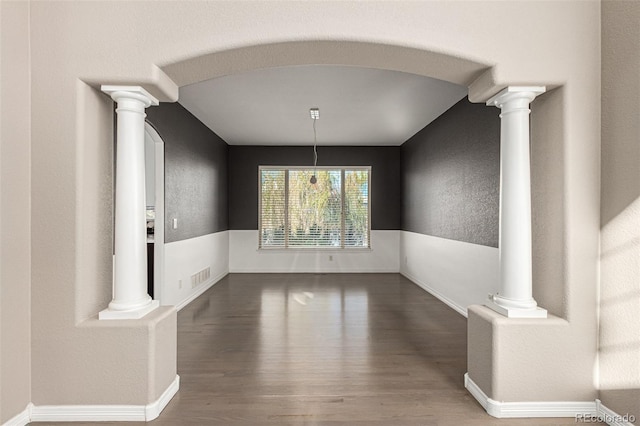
(332,213)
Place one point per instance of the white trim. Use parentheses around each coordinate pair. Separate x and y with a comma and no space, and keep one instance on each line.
(536,312)
(88,413)
(426,287)
(158,236)
(103,413)
(201,289)
(153,410)
(529,408)
(20,419)
(108,314)
(475,391)
(609,416)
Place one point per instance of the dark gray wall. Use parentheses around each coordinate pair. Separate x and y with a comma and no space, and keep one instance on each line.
(451,176)
(195,163)
(243,178)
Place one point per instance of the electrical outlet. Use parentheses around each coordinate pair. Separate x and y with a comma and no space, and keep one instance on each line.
(330,258)
(174,223)
(179,283)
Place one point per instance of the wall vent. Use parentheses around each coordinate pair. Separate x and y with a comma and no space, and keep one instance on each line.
(200,277)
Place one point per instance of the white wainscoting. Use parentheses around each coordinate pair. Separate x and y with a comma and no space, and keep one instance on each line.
(187,257)
(458,273)
(244,256)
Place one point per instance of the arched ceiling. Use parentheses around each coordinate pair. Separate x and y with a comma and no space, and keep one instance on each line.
(358,106)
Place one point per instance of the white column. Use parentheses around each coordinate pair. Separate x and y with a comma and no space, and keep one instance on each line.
(515,297)
(130,297)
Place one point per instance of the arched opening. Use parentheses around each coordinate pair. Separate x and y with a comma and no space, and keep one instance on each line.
(458,69)
(154,168)
(379,56)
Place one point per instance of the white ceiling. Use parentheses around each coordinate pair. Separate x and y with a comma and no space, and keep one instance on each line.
(358,106)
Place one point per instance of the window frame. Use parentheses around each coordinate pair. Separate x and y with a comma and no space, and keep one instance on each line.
(342,169)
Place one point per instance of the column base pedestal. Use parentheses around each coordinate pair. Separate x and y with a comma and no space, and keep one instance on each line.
(536,312)
(131,314)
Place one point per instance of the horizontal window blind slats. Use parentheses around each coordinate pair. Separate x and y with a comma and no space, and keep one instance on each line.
(314,209)
(356,202)
(330,213)
(272,208)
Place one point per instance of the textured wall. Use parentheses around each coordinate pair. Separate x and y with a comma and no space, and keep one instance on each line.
(243,178)
(195,164)
(15,187)
(451,176)
(619,352)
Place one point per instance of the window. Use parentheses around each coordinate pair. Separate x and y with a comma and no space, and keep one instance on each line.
(332,213)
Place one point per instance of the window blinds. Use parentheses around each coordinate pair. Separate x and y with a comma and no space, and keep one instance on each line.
(332,213)
(272,208)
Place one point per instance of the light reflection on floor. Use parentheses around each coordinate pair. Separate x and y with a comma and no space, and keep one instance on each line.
(298,324)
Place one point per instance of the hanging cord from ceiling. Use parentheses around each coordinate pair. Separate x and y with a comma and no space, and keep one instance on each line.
(315,148)
(315,115)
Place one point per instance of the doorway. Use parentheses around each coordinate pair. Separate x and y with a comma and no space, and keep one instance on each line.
(154,189)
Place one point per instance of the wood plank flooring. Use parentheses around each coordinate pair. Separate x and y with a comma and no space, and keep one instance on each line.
(323,349)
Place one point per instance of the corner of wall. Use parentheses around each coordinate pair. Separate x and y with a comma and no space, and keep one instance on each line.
(15,205)
(619,297)
(499,346)
(484,86)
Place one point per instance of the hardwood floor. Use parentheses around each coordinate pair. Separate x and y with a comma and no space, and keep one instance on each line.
(323,349)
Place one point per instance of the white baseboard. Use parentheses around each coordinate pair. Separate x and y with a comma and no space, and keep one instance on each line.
(453,305)
(529,408)
(88,413)
(22,418)
(153,410)
(103,413)
(610,417)
(201,289)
